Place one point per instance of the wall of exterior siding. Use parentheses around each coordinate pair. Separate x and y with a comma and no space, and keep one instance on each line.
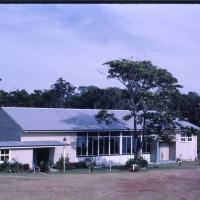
(70,139)
(24,156)
(186,150)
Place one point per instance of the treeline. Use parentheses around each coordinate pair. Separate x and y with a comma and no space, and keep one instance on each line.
(63,95)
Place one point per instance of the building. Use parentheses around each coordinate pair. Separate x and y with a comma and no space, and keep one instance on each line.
(32,135)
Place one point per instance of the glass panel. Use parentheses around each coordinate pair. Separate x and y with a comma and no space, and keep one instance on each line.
(112,145)
(101,144)
(128,145)
(90,141)
(6,151)
(124,145)
(92,133)
(84,146)
(117,145)
(106,145)
(126,133)
(183,135)
(78,146)
(104,134)
(2,158)
(79,134)
(136,144)
(115,133)
(2,151)
(95,146)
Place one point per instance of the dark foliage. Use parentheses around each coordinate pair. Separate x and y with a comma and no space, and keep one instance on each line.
(139,161)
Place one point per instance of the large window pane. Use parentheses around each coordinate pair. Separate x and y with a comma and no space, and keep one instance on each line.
(81,146)
(117,145)
(112,145)
(90,150)
(136,144)
(84,146)
(101,144)
(78,146)
(146,146)
(126,145)
(128,140)
(95,146)
(106,145)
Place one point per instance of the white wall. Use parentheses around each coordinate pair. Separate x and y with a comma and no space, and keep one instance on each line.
(71,150)
(70,139)
(186,150)
(24,156)
(114,160)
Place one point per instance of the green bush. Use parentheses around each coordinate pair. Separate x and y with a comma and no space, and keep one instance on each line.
(14,167)
(59,164)
(139,161)
(5,167)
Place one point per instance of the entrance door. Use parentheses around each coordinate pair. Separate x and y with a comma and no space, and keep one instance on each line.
(164,152)
(41,155)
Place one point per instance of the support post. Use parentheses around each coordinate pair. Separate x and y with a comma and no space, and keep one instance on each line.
(64,159)
(157,152)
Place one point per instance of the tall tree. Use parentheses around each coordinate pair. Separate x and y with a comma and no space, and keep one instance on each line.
(142,80)
(61,91)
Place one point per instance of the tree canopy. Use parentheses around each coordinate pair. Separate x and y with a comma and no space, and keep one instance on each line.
(146,86)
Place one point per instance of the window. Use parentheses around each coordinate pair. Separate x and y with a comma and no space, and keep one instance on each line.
(189,139)
(81,147)
(126,145)
(4,154)
(136,144)
(183,137)
(114,145)
(94,143)
(92,146)
(146,148)
(103,145)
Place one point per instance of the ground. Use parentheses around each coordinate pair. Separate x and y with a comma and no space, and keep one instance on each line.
(172,184)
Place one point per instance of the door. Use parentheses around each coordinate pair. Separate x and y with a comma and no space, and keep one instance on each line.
(164,152)
(41,155)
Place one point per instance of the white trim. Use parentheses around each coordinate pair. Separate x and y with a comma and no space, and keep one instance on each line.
(30,147)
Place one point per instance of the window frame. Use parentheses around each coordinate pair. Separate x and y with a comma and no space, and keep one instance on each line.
(4,155)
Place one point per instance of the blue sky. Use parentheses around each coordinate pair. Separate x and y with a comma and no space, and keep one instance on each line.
(40,43)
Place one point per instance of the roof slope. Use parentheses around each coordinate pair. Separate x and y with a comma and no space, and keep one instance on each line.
(61,119)
(64,119)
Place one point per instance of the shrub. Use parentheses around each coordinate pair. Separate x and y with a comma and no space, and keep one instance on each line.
(43,166)
(5,167)
(139,161)
(59,163)
(81,165)
(14,167)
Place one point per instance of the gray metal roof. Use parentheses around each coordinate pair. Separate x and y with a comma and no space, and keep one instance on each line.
(59,119)
(30,144)
(62,119)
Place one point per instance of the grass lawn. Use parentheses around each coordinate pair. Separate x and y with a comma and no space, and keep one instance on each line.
(172,184)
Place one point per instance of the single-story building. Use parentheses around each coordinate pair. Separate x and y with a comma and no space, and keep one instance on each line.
(32,135)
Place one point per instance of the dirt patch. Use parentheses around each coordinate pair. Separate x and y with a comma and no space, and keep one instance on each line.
(155,185)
